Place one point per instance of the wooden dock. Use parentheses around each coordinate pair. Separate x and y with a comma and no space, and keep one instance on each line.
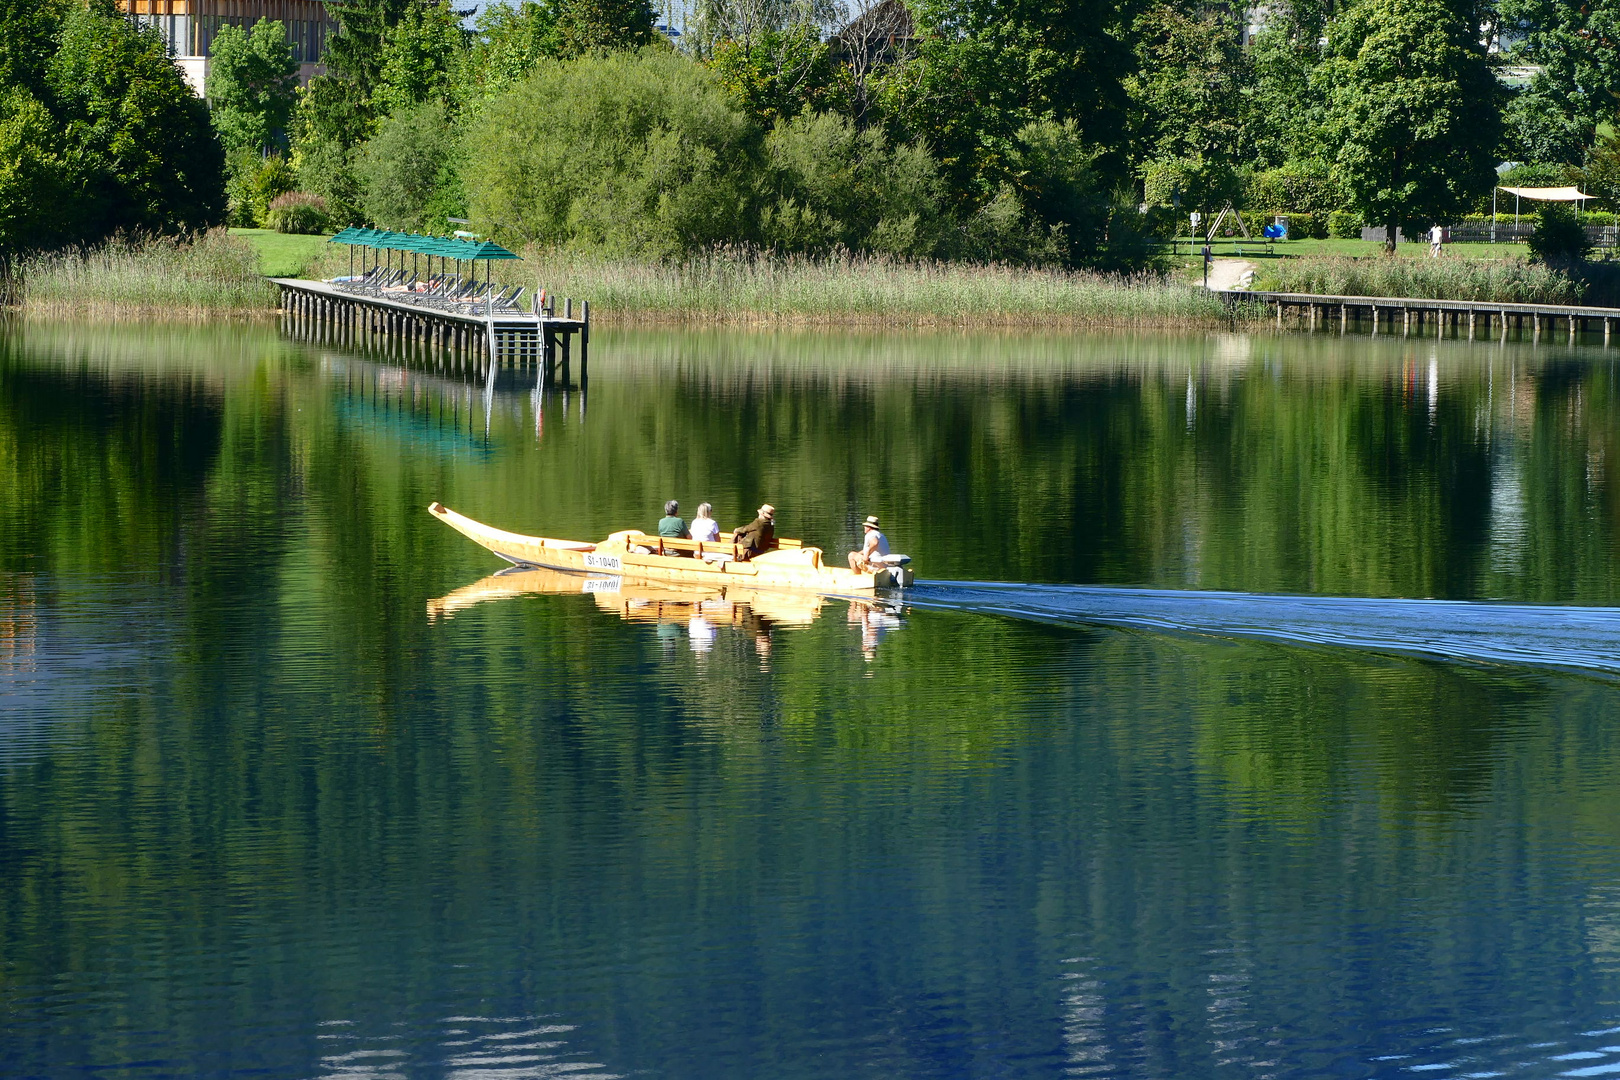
(468,335)
(1406,315)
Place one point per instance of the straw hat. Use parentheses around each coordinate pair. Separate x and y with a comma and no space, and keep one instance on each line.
(767,511)
(871,521)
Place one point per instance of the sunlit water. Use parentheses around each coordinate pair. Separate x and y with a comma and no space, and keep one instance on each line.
(1286,749)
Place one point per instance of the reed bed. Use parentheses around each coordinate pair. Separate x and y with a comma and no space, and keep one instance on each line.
(1500,280)
(733,286)
(212,273)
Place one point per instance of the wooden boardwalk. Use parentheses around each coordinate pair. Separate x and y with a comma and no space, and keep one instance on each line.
(463,335)
(1404,315)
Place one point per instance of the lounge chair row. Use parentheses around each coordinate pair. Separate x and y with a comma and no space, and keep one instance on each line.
(445,292)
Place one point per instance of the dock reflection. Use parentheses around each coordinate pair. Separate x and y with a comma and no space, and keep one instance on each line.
(703,610)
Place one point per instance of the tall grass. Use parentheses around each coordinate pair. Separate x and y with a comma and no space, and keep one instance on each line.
(743,286)
(144,275)
(1501,280)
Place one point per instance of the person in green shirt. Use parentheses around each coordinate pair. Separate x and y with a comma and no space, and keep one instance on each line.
(672,525)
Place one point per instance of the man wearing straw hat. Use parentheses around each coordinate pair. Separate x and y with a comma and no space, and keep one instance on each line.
(758,535)
(875,544)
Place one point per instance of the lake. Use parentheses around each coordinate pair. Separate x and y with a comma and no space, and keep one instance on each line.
(1257,712)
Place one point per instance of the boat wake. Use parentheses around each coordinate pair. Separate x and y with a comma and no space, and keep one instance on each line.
(1577,638)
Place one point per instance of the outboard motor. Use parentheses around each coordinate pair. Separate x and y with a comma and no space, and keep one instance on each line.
(900,573)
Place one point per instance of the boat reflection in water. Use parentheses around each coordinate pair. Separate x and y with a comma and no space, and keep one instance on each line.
(702,609)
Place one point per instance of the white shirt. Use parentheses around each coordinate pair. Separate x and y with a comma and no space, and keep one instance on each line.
(882,547)
(705,529)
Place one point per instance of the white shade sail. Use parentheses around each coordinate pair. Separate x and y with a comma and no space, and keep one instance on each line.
(1550,194)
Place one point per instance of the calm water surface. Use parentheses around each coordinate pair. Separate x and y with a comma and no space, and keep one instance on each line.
(1239,779)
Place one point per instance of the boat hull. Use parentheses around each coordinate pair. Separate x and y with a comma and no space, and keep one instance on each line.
(784,568)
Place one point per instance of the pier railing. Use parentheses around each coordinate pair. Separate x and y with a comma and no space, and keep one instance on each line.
(1415,313)
(482,331)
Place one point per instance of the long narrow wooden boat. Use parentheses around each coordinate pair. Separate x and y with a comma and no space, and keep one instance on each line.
(635,554)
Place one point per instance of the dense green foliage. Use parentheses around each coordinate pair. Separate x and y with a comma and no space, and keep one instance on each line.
(252,83)
(1412,111)
(1029,132)
(98,131)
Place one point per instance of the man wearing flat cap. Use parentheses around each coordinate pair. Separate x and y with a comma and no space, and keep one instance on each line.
(758,535)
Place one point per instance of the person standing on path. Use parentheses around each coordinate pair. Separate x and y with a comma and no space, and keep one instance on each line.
(1437,237)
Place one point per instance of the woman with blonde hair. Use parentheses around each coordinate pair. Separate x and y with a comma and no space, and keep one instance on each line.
(704,527)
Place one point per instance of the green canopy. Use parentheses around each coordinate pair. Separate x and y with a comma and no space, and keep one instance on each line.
(447,247)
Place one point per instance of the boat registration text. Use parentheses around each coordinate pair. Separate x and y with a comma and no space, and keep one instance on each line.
(594,561)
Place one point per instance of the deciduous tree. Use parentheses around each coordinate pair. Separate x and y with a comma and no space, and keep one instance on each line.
(1575,47)
(148,152)
(985,69)
(252,85)
(39,186)
(1415,109)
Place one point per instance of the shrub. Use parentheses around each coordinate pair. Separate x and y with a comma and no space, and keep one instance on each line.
(1344,225)
(254,181)
(1193,183)
(633,152)
(1305,226)
(298,212)
(409,171)
(836,186)
(1559,239)
(1299,186)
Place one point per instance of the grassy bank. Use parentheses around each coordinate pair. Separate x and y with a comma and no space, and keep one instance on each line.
(146,276)
(734,287)
(283,254)
(1511,280)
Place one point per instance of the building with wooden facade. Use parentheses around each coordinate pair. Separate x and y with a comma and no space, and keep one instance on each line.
(189,27)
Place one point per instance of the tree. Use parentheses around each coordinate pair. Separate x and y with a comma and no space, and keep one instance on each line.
(335,111)
(509,41)
(1288,111)
(149,154)
(1415,110)
(252,85)
(778,74)
(636,152)
(585,26)
(744,21)
(1601,177)
(28,30)
(408,170)
(424,51)
(839,186)
(39,190)
(1188,89)
(985,69)
(1575,47)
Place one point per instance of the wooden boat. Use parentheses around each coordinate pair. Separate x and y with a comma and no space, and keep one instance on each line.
(635,554)
(637,601)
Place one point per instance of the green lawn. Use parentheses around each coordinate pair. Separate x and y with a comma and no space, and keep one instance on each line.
(1237,247)
(282,254)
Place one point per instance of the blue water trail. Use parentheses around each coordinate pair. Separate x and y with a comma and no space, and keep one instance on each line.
(1578,638)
